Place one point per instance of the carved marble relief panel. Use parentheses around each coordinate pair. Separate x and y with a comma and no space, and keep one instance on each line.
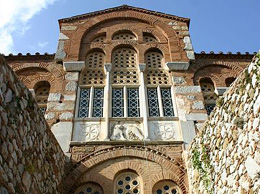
(164,130)
(130,131)
(86,131)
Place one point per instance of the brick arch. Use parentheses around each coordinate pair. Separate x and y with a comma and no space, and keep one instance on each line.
(74,49)
(141,152)
(156,33)
(121,28)
(52,74)
(229,65)
(163,49)
(217,78)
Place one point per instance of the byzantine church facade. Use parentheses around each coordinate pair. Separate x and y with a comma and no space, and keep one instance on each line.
(124,95)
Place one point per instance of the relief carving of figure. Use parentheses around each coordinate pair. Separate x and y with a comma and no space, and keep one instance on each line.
(126,132)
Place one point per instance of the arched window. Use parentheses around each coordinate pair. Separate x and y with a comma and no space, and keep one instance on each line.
(229,81)
(166,187)
(125,74)
(91,96)
(159,93)
(94,70)
(99,39)
(124,35)
(90,188)
(208,90)
(148,37)
(127,182)
(42,90)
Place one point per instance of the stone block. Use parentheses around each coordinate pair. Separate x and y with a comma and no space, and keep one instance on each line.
(177,65)
(187,89)
(198,105)
(66,116)
(179,80)
(54,97)
(190,55)
(70,97)
(188,131)
(68,28)
(63,37)
(72,76)
(73,65)
(252,168)
(49,116)
(54,106)
(60,53)
(71,86)
(62,131)
(196,117)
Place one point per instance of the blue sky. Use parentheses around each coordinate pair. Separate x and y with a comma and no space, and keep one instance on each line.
(216,25)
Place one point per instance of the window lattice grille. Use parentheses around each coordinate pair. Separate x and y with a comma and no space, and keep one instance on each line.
(118,102)
(133,102)
(84,103)
(166,187)
(99,39)
(153,103)
(208,91)
(124,36)
(156,74)
(128,183)
(124,63)
(157,77)
(149,38)
(98,102)
(167,102)
(42,94)
(89,188)
(94,72)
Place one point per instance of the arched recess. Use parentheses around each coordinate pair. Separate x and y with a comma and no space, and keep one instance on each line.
(74,49)
(42,90)
(124,35)
(166,187)
(54,74)
(127,181)
(177,171)
(229,81)
(217,74)
(208,91)
(155,72)
(93,73)
(124,65)
(89,188)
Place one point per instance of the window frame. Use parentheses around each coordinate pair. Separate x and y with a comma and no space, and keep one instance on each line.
(125,100)
(160,101)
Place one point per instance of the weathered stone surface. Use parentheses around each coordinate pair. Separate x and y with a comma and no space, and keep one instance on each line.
(198,105)
(71,86)
(54,97)
(72,76)
(179,80)
(73,65)
(227,148)
(186,89)
(63,37)
(27,160)
(177,65)
(68,28)
(70,97)
(66,116)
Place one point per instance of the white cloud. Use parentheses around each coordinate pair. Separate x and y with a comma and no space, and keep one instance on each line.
(42,44)
(14,15)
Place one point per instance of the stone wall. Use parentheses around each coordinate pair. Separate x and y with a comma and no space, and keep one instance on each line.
(225,156)
(31,160)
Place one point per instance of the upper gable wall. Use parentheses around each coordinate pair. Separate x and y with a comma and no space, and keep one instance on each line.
(72,32)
